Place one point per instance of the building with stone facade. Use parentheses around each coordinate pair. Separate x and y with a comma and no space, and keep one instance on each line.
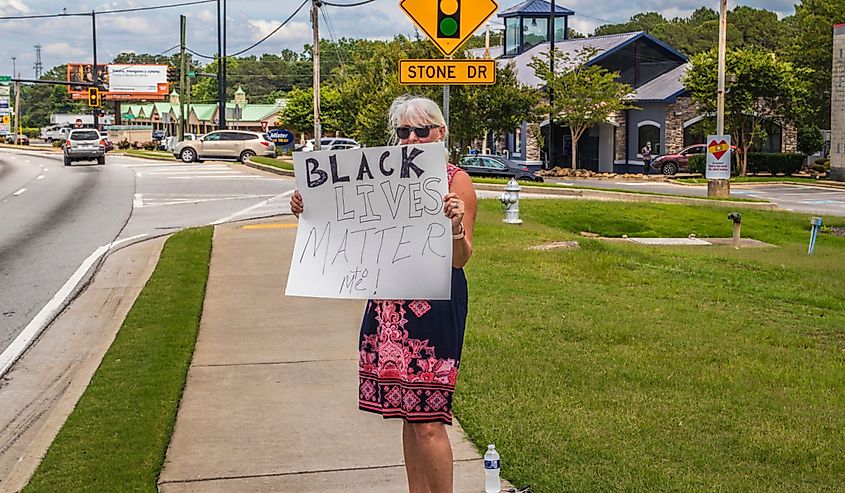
(837,106)
(666,117)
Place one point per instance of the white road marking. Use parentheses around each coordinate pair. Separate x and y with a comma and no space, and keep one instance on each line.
(138,200)
(22,190)
(160,202)
(633,184)
(52,308)
(39,177)
(227,177)
(256,206)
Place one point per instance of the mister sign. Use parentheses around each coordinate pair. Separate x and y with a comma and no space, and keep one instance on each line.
(718,157)
(373,224)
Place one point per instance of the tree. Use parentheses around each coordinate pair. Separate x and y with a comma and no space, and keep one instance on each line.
(498,108)
(763,88)
(582,95)
(813,49)
(644,21)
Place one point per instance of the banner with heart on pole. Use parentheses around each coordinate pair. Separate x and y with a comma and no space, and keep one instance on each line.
(718,157)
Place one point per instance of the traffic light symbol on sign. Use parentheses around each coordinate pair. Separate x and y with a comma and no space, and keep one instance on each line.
(448,18)
(173,74)
(93,97)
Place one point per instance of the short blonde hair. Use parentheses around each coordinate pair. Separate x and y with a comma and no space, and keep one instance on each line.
(414,111)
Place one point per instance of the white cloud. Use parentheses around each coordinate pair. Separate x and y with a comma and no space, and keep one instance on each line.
(13,7)
(293,31)
(71,53)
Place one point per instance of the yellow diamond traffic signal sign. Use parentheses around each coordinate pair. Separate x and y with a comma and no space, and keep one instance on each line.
(448,23)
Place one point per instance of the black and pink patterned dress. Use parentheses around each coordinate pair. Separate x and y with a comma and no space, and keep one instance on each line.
(411,352)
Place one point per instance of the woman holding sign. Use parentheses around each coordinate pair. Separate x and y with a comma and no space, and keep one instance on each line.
(410,350)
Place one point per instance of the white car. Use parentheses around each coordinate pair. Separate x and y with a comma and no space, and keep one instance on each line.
(331,144)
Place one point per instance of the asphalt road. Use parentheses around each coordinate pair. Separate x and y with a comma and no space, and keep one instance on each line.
(56,222)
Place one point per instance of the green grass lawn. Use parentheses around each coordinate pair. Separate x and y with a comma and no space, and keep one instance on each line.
(152,154)
(117,436)
(618,367)
(502,181)
(278,163)
(759,179)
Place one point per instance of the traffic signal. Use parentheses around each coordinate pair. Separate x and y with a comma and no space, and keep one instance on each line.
(94,97)
(448,18)
(173,74)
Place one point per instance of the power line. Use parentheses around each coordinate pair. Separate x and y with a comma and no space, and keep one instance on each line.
(274,31)
(117,11)
(364,2)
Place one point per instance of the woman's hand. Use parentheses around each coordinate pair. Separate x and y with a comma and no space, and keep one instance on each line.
(296,205)
(454,208)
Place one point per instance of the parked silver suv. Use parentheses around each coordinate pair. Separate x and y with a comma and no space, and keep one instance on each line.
(237,145)
(84,144)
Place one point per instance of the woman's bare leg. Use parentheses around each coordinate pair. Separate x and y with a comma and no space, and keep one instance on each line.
(433,455)
(417,482)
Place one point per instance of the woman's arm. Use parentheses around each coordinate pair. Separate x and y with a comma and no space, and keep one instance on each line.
(460,206)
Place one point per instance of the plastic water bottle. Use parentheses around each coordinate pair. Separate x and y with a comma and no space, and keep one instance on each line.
(492,484)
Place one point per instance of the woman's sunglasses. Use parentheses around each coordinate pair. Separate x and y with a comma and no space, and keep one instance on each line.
(421,132)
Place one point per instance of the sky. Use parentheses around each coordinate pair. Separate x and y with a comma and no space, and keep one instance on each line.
(68,39)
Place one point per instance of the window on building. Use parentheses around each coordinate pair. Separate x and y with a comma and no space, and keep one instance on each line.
(560,28)
(649,133)
(534,31)
(512,36)
(517,141)
(771,139)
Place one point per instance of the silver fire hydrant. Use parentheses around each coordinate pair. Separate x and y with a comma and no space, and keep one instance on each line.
(736,217)
(510,199)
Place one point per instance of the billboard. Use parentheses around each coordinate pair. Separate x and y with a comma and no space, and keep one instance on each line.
(121,82)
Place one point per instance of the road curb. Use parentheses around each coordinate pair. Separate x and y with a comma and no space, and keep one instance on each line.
(628,197)
(836,186)
(268,168)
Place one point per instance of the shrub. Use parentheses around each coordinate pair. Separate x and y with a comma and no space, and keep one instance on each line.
(149,146)
(758,162)
(818,168)
(775,162)
(697,163)
(124,144)
(810,139)
(823,162)
(58,143)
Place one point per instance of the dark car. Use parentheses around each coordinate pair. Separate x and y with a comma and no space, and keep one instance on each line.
(496,167)
(20,140)
(669,164)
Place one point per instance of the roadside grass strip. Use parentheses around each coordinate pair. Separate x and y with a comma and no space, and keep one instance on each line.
(760,179)
(504,181)
(277,163)
(116,437)
(623,367)
(150,154)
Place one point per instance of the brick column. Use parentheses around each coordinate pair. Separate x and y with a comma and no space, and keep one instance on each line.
(837,106)
(682,110)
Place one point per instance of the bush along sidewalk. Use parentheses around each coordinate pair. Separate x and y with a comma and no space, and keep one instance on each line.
(758,162)
(117,436)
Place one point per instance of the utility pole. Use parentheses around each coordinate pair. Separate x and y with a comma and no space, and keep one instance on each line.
(14,66)
(180,132)
(221,98)
(721,188)
(17,129)
(551,153)
(95,78)
(315,5)
(225,96)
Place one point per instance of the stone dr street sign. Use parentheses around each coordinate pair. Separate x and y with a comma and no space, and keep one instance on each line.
(440,72)
(448,23)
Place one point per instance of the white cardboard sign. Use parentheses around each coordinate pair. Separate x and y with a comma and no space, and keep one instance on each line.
(373,225)
(718,157)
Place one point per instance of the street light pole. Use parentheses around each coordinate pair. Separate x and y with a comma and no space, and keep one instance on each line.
(221,99)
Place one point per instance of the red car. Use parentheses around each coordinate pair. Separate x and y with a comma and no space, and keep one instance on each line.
(669,164)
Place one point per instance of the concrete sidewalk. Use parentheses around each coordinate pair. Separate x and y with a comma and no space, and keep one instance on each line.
(270,402)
